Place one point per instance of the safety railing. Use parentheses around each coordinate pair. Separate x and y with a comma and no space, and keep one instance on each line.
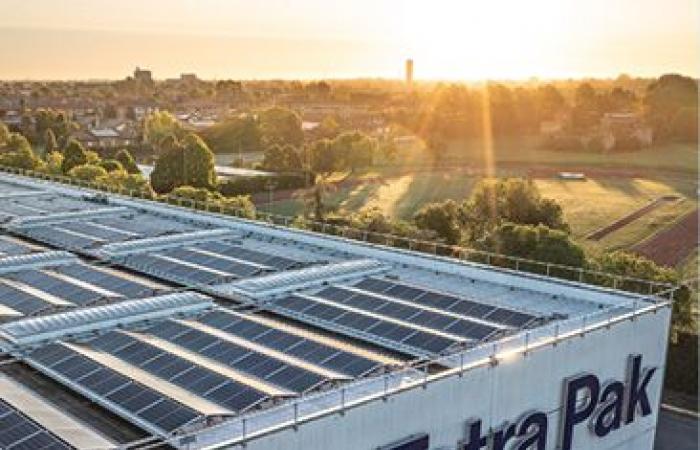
(570,273)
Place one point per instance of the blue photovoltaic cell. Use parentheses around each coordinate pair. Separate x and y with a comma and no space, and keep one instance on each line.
(19,432)
(306,349)
(134,397)
(446,302)
(239,358)
(372,325)
(179,371)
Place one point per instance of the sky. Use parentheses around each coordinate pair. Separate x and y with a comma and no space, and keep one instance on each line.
(315,39)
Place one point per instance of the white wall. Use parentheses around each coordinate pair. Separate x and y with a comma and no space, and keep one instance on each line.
(504,392)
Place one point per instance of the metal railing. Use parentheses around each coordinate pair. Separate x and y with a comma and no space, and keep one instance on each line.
(570,273)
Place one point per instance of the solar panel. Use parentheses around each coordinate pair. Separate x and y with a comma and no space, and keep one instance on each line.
(19,432)
(369,324)
(237,357)
(386,306)
(127,287)
(447,302)
(134,397)
(177,370)
(305,349)
(55,286)
(22,302)
(238,252)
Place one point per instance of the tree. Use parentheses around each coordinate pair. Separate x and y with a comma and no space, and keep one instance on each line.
(442,218)
(4,134)
(73,155)
(159,125)
(123,180)
(186,163)
(54,162)
(127,161)
(281,126)
(518,201)
(50,144)
(538,243)
(234,135)
(354,149)
(240,203)
(282,158)
(18,153)
(672,107)
(199,168)
(329,127)
(314,198)
(634,266)
(323,157)
(87,172)
(168,169)
(110,165)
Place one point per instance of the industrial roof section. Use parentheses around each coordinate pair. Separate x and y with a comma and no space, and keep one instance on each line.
(34,330)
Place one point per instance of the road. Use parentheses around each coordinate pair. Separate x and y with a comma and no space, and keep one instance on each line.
(676,432)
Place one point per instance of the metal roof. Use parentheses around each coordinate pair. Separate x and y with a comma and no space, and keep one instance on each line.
(38,329)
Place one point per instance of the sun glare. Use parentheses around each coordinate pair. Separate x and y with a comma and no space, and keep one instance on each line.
(482,39)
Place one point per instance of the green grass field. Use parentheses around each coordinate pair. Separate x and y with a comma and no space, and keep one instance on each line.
(402,189)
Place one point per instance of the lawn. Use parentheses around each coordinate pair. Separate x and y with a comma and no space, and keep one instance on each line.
(522,153)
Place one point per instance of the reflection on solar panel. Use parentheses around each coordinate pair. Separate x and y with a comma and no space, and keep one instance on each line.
(372,327)
(19,432)
(207,263)
(239,358)
(179,371)
(124,286)
(308,350)
(93,231)
(446,302)
(244,254)
(130,395)
(72,284)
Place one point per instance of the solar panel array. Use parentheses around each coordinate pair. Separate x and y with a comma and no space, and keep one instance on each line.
(174,369)
(208,263)
(32,291)
(242,359)
(41,204)
(428,321)
(447,302)
(147,404)
(91,233)
(19,432)
(307,349)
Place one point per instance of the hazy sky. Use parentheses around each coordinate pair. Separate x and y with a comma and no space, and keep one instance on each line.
(450,39)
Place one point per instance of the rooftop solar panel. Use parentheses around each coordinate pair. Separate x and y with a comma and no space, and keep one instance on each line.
(179,371)
(300,347)
(122,285)
(368,324)
(141,401)
(19,432)
(447,302)
(13,247)
(238,357)
(22,302)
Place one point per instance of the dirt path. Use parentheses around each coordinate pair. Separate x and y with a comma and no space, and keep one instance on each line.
(674,244)
(644,210)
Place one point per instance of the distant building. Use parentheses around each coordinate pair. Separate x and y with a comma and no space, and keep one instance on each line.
(143,76)
(409,73)
(188,78)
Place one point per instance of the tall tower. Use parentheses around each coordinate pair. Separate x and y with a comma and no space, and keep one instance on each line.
(409,74)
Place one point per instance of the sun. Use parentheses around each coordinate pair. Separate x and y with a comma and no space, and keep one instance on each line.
(476,39)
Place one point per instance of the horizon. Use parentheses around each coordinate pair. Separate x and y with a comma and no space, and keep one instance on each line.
(449,41)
